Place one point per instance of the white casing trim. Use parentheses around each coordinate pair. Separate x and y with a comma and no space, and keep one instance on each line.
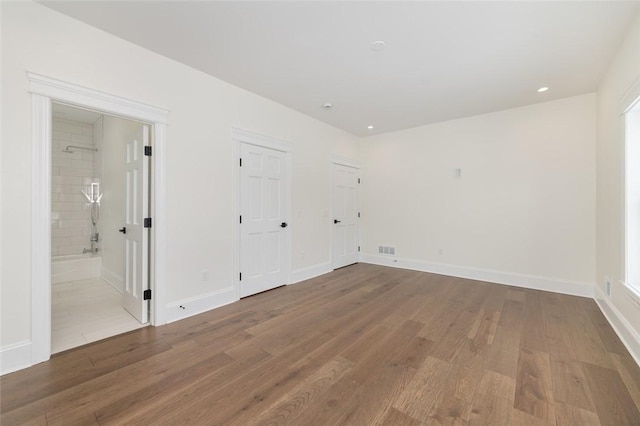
(344,161)
(574,288)
(83,97)
(630,338)
(631,292)
(40,229)
(44,91)
(257,139)
(309,272)
(15,357)
(239,136)
(199,304)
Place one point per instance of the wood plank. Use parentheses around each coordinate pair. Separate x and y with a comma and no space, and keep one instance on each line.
(294,401)
(521,418)
(533,335)
(449,411)
(511,316)
(375,383)
(516,294)
(493,400)
(398,418)
(586,341)
(176,396)
(568,415)
(613,403)
(608,337)
(255,386)
(630,373)
(534,391)
(556,327)
(172,382)
(385,378)
(504,351)
(418,396)
(569,384)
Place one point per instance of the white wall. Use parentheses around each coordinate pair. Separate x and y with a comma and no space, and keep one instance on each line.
(522,211)
(622,311)
(199,153)
(115,136)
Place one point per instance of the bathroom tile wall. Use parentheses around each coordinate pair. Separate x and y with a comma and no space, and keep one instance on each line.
(97,165)
(71,174)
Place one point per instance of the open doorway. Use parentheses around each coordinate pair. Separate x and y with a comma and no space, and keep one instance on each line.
(99,245)
(44,91)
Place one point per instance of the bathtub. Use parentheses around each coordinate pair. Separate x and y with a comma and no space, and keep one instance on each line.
(75,267)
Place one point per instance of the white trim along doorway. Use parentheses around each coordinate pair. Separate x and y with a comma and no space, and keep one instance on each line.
(45,90)
(266,269)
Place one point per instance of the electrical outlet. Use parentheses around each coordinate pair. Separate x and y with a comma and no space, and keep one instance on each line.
(607,286)
(205,275)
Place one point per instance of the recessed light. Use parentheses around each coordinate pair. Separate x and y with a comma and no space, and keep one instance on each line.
(377,46)
(369,127)
(327,105)
(543,89)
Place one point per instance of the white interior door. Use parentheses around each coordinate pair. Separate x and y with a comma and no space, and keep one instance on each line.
(263,221)
(345,215)
(136,235)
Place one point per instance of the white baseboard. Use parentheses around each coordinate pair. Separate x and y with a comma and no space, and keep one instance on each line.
(15,357)
(574,288)
(309,272)
(116,281)
(630,338)
(199,304)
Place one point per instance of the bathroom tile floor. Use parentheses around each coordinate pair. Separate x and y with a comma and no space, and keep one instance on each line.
(85,311)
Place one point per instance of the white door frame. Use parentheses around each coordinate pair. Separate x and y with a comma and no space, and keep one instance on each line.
(239,136)
(336,159)
(45,90)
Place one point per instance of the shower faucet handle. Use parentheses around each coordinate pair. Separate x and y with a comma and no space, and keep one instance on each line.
(123,230)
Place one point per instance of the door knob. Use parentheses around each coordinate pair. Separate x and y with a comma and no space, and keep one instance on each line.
(283,225)
(336,221)
(123,230)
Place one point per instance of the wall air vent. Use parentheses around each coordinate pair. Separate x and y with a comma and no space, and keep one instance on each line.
(387,250)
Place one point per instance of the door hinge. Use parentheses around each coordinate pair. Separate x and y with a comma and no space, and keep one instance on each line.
(241,162)
(240,276)
(147,151)
(358,248)
(358,180)
(146,295)
(147,222)
(358,214)
(240,218)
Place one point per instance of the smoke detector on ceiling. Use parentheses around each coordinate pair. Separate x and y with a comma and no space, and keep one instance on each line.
(377,46)
(327,105)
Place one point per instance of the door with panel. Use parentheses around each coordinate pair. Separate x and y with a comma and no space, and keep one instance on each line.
(136,235)
(345,215)
(263,222)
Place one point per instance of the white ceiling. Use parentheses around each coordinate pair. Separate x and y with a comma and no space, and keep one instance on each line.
(443,60)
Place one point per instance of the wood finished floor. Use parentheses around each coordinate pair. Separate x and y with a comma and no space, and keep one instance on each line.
(363,345)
